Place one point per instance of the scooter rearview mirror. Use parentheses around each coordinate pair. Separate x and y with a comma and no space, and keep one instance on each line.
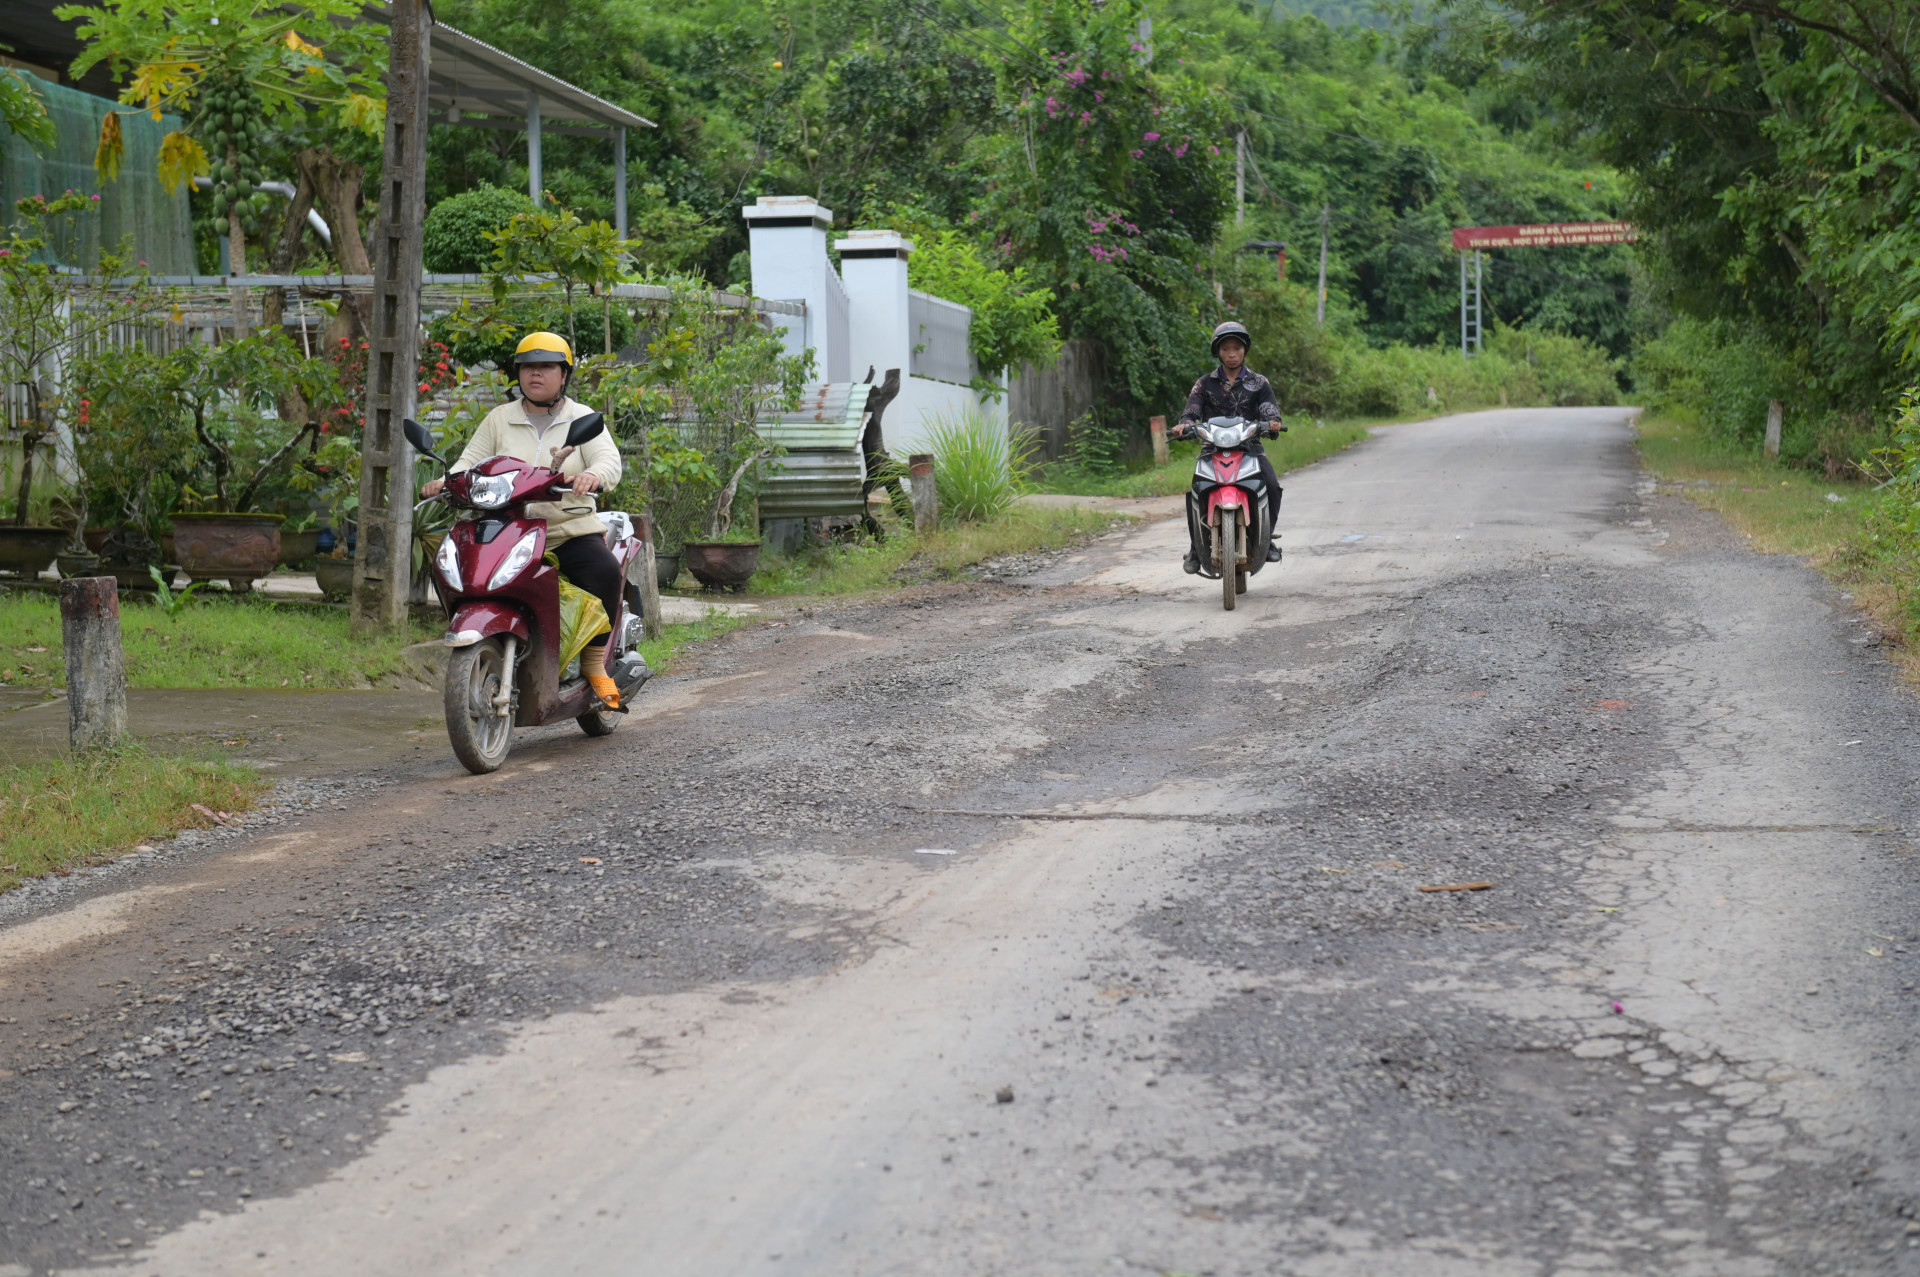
(587,427)
(422,441)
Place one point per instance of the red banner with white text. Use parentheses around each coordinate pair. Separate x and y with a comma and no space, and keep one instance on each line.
(1547,235)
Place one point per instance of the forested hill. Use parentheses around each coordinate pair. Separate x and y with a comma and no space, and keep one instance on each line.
(1062,138)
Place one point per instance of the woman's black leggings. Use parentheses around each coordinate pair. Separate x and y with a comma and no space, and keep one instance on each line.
(588,563)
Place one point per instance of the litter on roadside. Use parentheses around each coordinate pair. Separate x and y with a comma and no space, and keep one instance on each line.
(1460,886)
(934,851)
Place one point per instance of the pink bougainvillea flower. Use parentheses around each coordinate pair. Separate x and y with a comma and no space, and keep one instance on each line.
(1151,137)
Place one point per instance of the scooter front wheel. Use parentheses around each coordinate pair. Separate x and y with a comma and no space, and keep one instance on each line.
(481,736)
(1228,539)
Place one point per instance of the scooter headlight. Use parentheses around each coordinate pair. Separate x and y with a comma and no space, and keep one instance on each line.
(490,491)
(448,561)
(516,561)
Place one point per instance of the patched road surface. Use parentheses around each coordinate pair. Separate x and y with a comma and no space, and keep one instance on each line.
(1064,925)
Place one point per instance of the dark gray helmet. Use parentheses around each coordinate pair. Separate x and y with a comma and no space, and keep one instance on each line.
(1232,328)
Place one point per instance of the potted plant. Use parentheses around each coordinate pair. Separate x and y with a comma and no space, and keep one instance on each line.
(224,390)
(49,318)
(133,448)
(725,562)
(693,408)
(299,539)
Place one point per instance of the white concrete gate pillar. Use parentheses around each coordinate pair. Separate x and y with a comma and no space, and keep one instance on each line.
(879,329)
(787,240)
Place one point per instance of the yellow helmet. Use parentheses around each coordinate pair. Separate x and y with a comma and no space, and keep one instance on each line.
(543,348)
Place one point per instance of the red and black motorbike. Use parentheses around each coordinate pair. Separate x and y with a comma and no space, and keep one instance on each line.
(1229,509)
(503,608)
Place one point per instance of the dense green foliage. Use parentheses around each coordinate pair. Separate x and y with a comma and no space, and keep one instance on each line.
(1072,161)
(1772,156)
(456,230)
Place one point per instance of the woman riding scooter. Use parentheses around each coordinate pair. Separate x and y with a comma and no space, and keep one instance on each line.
(1234,390)
(533,422)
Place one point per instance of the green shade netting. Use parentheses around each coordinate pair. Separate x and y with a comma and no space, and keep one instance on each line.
(135,206)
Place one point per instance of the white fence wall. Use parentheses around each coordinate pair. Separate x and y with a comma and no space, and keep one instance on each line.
(940,331)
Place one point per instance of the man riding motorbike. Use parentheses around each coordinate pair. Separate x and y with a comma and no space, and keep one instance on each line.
(1234,390)
(536,420)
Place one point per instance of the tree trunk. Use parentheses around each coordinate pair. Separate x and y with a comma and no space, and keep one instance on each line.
(280,257)
(336,184)
(273,307)
(237,265)
(29,442)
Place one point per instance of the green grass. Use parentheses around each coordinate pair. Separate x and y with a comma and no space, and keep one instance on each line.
(214,642)
(947,554)
(83,808)
(1302,445)
(1786,510)
(661,652)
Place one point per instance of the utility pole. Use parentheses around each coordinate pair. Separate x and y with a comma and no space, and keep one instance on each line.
(1240,179)
(1326,217)
(384,560)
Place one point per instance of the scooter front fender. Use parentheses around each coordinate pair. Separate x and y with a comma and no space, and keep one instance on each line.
(482,619)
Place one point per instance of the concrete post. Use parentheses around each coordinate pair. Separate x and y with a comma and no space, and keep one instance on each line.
(96,669)
(649,582)
(1776,416)
(620,182)
(1158,427)
(383,561)
(534,176)
(1326,220)
(873,263)
(787,244)
(926,496)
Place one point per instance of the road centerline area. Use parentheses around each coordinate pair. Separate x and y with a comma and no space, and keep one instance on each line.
(694,999)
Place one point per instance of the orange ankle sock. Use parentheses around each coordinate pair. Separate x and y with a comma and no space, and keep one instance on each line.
(593,664)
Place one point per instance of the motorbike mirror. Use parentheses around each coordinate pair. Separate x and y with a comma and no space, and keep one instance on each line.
(587,427)
(422,441)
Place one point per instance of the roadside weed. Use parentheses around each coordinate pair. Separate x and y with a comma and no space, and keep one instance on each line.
(1836,524)
(222,642)
(83,807)
(976,464)
(164,597)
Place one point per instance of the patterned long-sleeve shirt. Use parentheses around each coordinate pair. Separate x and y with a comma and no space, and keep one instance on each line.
(1249,395)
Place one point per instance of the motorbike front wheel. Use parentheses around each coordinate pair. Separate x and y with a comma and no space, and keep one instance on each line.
(1227,537)
(481,737)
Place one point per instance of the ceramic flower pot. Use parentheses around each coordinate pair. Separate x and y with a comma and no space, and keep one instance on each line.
(236,548)
(722,565)
(666,569)
(334,575)
(75,565)
(27,552)
(298,547)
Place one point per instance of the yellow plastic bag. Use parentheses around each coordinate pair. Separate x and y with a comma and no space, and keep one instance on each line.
(583,618)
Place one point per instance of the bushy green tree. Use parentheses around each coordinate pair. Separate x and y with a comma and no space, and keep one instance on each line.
(1772,150)
(455,236)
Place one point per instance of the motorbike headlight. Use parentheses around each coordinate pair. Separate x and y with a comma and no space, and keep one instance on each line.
(448,561)
(490,491)
(516,561)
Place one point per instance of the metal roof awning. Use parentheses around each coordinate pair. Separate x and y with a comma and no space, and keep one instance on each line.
(467,76)
(473,85)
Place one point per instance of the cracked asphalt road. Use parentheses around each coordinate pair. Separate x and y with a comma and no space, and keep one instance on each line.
(1065,925)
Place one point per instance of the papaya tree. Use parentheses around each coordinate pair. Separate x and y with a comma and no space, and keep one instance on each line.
(240,72)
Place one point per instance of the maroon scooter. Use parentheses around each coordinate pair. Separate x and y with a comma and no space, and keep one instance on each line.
(503,607)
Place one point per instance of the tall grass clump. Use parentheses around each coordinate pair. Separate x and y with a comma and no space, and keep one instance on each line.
(79,807)
(977,466)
